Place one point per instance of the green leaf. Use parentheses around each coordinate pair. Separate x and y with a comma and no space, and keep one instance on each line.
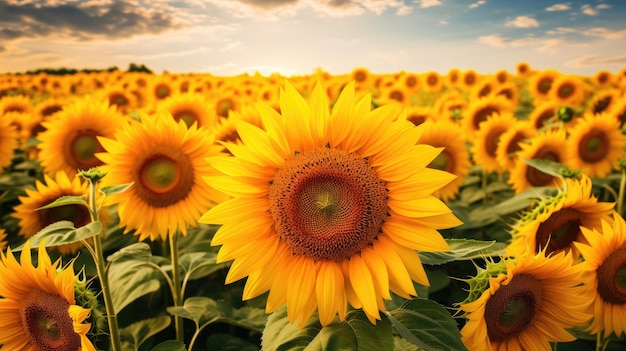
(67,200)
(227,342)
(203,310)
(170,345)
(137,333)
(63,232)
(115,189)
(132,276)
(428,325)
(463,249)
(400,344)
(553,168)
(355,333)
(200,264)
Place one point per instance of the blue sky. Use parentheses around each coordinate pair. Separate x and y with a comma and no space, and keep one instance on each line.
(229,37)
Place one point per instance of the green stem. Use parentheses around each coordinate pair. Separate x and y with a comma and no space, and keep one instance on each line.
(103,276)
(176,291)
(620,196)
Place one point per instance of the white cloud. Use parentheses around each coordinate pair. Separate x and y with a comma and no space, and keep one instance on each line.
(477,3)
(443,22)
(592,60)
(588,10)
(429,3)
(599,32)
(603,6)
(558,7)
(541,44)
(522,22)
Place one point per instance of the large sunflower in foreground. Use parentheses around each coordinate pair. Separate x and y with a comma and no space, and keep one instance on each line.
(32,220)
(165,161)
(554,223)
(38,306)
(605,260)
(596,144)
(528,302)
(328,207)
(70,140)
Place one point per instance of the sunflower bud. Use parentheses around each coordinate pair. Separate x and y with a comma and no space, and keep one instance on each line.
(565,113)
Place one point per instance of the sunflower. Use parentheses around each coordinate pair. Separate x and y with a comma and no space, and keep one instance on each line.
(554,223)
(15,103)
(526,303)
(469,78)
(603,100)
(618,111)
(70,142)
(362,77)
(8,142)
(328,207)
(596,144)
(502,76)
(449,106)
(32,220)
(433,82)
(3,239)
(453,77)
(411,81)
(453,159)
(509,143)
(523,69)
(479,109)
(487,139)
(191,108)
(549,145)
(508,90)
(419,114)
(540,84)
(603,79)
(38,306)
(568,90)
(165,161)
(483,88)
(123,99)
(605,260)
(395,94)
(543,115)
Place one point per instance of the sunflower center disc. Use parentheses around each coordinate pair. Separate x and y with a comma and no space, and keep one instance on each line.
(81,150)
(558,231)
(612,278)
(328,204)
(48,323)
(593,147)
(187,116)
(536,177)
(566,90)
(163,176)
(444,161)
(512,308)
(77,214)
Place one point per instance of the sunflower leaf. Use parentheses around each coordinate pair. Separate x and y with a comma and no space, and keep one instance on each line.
(227,342)
(355,333)
(203,311)
(200,264)
(463,249)
(115,189)
(427,325)
(67,200)
(137,333)
(170,345)
(553,168)
(63,232)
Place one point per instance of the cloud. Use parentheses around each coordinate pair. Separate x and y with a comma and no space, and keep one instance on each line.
(591,11)
(476,4)
(429,3)
(558,7)
(88,20)
(599,32)
(592,60)
(522,22)
(443,22)
(541,44)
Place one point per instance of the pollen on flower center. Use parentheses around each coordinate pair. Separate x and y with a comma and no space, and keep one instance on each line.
(328,204)
(163,176)
(512,307)
(612,278)
(48,323)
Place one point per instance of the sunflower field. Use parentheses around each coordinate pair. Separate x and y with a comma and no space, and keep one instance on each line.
(365,211)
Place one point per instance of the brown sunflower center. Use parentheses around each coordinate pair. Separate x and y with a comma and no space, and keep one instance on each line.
(470,79)
(543,118)
(416,119)
(161,91)
(484,91)
(411,82)
(47,322)
(118,99)
(225,105)
(77,214)
(328,204)
(50,110)
(601,105)
(566,90)
(397,95)
(536,177)
(612,278)
(432,80)
(163,176)
(482,114)
(593,146)
(188,116)
(558,231)
(444,161)
(492,140)
(544,85)
(512,307)
(513,145)
(80,150)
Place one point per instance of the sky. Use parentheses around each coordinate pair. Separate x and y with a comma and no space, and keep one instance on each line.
(298,37)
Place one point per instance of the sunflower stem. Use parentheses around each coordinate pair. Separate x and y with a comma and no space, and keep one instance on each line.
(176,289)
(102,272)
(620,196)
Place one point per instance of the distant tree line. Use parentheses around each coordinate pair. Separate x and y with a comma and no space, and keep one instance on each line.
(63,71)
